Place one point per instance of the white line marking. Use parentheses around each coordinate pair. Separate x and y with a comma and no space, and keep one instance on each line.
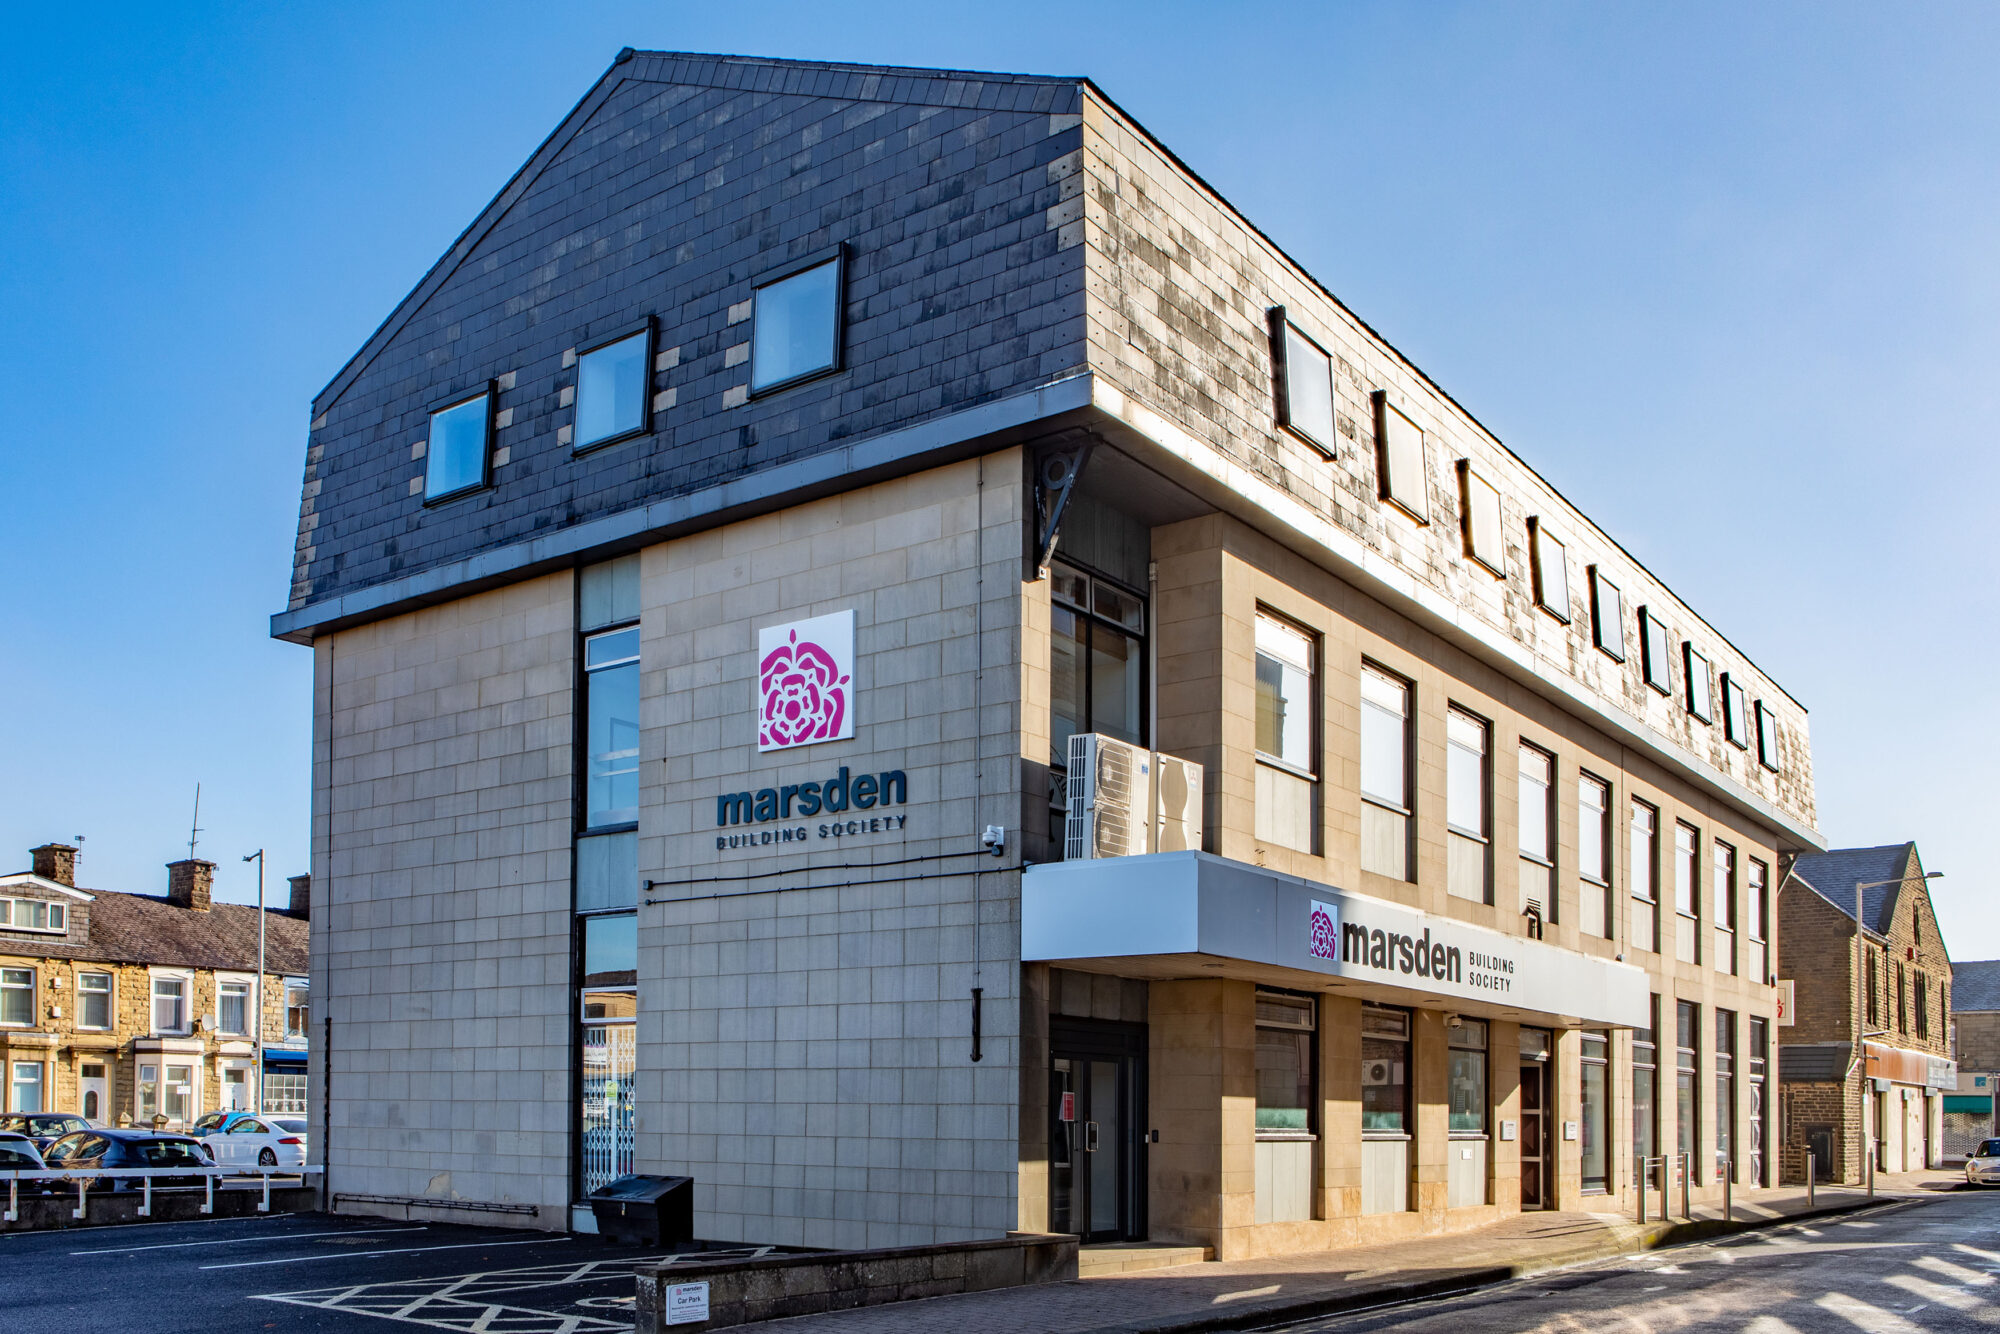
(237,1241)
(401,1250)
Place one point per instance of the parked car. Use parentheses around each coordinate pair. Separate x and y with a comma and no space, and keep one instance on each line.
(1982,1165)
(18,1153)
(111,1150)
(44,1128)
(215,1123)
(271,1141)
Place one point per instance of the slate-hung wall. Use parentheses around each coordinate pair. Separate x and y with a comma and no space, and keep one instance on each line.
(1180,293)
(666,194)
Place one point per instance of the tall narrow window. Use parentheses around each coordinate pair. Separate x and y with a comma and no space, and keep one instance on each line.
(1468,786)
(1385,773)
(1386,1124)
(1921,1003)
(1287,782)
(1644,874)
(1097,655)
(1286,1099)
(1645,1089)
(1725,1094)
(1305,383)
(1549,563)
(1767,737)
(298,1007)
(1757,886)
(1538,833)
(27,1096)
(1596,1071)
(611,666)
(1687,1103)
(1479,520)
(1874,990)
(17,996)
(1656,651)
(611,384)
(795,325)
(1468,1095)
(170,1005)
(1399,458)
(1687,893)
(1902,1002)
(1735,717)
(1699,703)
(1723,906)
(1607,615)
(460,445)
(232,1007)
(93,1000)
(1593,856)
(1758,1060)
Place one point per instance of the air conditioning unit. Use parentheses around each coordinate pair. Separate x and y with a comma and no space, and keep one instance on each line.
(1381,1073)
(1124,800)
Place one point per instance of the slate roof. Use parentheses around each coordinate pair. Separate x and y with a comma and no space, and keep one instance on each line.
(1833,874)
(1975,985)
(138,928)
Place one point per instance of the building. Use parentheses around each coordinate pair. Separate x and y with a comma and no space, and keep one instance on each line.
(709,567)
(1975,1022)
(1900,1002)
(131,1009)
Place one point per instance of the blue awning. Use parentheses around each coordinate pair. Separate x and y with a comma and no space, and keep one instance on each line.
(281,1056)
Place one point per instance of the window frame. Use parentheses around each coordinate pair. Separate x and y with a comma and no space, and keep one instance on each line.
(1652,862)
(1656,662)
(1415,506)
(249,986)
(1309,1030)
(1484,837)
(1735,712)
(1473,489)
(649,329)
(31,988)
(109,992)
(835,254)
(1315,654)
(1599,581)
(1767,736)
(186,981)
(490,391)
(10,908)
(1405,809)
(1701,708)
(1538,566)
(303,984)
(1285,374)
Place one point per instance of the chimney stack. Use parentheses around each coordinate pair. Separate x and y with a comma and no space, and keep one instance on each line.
(301,895)
(55,861)
(188,882)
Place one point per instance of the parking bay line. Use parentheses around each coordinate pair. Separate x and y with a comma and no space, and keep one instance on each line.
(401,1250)
(238,1241)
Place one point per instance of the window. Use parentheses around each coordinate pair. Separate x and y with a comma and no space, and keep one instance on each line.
(1479,519)
(33,915)
(1593,856)
(1097,655)
(455,460)
(1286,787)
(611,385)
(1596,1071)
(1922,1006)
(1645,1087)
(1644,874)
(1725,1094)
(285,1092)
(1538,832)
(17,996)
(611,668)
(1759,1059)
(795,325)
(1735,724)
(1400,459)
(1723,867)
(1758,890)
(1466,1077)
(297,1007)
(1874,988)
(610,949)
(93,1000)
(149,1093)
(170,1004)
(1655,651)
(1385,1067)
(1607,615)
(1549,562)
(233,1007)
(1305,382)
(178,1100)
(26,1095)
(1385,773)
(1902,1001)
(1687,1110)
(1699,702)
(1467,785)
(1767,737)
(1687,893)
(1285,1031)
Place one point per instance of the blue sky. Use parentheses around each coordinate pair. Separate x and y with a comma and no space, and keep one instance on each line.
(1725,275)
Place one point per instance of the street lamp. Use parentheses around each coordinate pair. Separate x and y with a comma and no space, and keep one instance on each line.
(258,857)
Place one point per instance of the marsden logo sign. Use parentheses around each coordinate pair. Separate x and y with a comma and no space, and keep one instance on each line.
(805,682)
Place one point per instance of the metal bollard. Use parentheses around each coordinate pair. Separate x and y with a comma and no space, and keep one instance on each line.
(1728,1189)
(1812,1179)
(1641,1176)
(1871,1176)
(1687,1186)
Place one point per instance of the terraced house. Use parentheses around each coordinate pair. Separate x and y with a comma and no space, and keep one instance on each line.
(879,646)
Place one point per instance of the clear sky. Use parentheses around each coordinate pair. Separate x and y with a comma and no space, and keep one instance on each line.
(1726,275)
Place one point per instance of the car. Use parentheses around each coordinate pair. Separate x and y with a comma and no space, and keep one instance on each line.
(1982,1165)
(44,1128)
(270,1141)
(214,1123)
(19,1153)
(110,1150)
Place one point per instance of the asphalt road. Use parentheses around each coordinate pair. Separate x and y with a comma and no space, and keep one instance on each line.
(1898,1270)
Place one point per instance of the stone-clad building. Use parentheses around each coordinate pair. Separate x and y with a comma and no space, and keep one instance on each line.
(128,1007)
(1975,1021)
(1900,1001)
(710,569)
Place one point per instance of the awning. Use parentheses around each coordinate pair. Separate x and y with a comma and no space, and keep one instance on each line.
(283,1056)
(1968,1102)
(1192,914)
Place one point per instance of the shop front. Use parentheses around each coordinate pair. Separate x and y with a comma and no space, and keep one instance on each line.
(1906,1103)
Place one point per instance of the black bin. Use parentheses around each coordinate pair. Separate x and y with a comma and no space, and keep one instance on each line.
(645,1210)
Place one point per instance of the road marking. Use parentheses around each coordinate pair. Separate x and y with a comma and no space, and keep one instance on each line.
(237,1241)
(400,1250)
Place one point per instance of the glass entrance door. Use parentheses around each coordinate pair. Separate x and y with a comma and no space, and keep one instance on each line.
(1096,1106)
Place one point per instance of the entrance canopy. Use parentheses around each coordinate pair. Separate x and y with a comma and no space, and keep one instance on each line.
(1192,914)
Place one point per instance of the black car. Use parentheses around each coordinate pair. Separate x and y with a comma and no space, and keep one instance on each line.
(45,1128)
(129,1149)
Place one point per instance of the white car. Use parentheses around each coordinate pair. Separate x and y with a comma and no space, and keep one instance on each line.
(260,1141)
(1982,1165)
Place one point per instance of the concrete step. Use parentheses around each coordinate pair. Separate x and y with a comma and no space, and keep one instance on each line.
(1129,1257)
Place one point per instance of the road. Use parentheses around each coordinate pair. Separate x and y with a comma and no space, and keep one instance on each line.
(1907,1269)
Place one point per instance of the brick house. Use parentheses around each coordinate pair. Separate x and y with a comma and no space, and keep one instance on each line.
(127,1007)
(1893,1097)
(1975,1020)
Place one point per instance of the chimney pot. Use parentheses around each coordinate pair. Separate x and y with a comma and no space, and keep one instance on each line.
(188,883)
(301,895)
(55,861)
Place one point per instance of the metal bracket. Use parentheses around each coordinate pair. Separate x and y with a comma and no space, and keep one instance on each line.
(1055,478)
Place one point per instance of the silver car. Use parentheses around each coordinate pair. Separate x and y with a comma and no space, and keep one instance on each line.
(1982,1165)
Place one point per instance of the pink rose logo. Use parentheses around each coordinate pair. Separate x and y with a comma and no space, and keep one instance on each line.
(1324,933)
(804,695)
